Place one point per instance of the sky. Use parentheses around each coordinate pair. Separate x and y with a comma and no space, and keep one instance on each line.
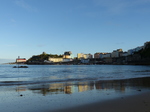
(30,27)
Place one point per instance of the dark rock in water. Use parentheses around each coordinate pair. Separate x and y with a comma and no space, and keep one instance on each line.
(139,90)
(20,66)
(23,67)
(21,95)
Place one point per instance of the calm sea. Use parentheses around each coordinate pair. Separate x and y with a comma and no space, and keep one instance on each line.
(67,73)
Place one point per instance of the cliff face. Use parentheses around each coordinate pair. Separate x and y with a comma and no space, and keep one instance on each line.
(139,58)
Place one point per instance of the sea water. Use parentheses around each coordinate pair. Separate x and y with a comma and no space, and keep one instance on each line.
(66,73)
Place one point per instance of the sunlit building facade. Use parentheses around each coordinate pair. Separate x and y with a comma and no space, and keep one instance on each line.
(55,59)
(80,56)
(21,60)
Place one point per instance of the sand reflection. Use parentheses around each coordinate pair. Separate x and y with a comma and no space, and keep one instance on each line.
(73,87)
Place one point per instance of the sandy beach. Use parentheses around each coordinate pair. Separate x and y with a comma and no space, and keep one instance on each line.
(135,103)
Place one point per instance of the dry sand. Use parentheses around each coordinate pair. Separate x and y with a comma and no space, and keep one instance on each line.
(135,103)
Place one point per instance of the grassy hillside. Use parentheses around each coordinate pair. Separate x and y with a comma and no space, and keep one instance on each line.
(43,57)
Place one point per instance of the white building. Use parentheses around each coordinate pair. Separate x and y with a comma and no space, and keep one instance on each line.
(124,54)
(68,55)
(116,53)
(21,60)
(84,56)
(67,60)
(101,55)
(97,55)
(55,59)
(138,48)
(80,55)
(88,56)
(106,55)
(132,51)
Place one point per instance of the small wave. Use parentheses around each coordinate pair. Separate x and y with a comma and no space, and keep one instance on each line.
(142,71)
(12,83)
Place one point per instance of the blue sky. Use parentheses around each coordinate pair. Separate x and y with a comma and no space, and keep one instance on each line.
(30,27)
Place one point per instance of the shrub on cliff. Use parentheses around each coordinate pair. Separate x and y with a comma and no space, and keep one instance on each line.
(145,53)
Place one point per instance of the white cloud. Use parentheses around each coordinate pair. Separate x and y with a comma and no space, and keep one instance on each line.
(25,5)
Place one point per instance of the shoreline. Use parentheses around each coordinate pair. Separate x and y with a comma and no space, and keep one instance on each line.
(71,63)
(135,103)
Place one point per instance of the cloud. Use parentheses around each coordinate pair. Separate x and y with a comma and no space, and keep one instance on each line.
(25,5)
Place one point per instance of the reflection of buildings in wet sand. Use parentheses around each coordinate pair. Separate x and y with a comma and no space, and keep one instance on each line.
(55,88)
(64,88)
(119,86)
(105,85)
(85,86)
(21,88)
(61,87)
(69,88)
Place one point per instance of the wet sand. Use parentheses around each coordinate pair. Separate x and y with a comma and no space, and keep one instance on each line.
(135,103)
(127,95)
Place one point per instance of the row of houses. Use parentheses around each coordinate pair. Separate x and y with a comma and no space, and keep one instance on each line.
(115,54)
(68,56)
(119,52)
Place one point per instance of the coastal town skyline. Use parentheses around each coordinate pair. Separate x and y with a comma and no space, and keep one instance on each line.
(114,53)
(68,56)
(30,27)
